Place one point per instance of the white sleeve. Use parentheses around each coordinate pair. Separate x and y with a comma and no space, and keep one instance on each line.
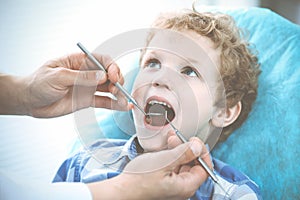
(10,190)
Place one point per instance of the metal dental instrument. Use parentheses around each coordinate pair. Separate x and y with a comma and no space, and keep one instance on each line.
(203,164)
(117,84)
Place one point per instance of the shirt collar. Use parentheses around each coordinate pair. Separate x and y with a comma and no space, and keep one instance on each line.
(128,150)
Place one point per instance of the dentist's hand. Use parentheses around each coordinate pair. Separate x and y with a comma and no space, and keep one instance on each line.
(156,176)
(174,141)
(62,86)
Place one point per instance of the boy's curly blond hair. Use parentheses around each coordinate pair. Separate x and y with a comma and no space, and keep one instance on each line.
(239,66)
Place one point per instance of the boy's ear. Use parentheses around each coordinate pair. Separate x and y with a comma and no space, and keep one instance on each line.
(225,117)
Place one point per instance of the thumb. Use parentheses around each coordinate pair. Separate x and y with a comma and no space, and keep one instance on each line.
(167,159)
(84,78)
(187,151)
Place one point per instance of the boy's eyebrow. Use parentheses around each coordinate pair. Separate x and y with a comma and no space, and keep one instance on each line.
(188,59)
(191,61)
(194,62)
(151,52)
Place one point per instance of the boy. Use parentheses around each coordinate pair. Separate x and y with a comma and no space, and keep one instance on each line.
(183,84)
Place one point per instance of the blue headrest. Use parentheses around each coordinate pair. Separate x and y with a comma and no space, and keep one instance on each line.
(266,147)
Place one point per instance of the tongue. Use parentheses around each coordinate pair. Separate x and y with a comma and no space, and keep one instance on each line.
(156,120)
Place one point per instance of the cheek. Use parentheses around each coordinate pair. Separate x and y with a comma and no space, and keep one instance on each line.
(142,78)
(198,111)
(205,105)
(141,85)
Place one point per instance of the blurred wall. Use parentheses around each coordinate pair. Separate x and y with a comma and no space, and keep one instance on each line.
(289,9)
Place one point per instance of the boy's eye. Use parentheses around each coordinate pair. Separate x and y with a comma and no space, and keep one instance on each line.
(153,63)
(189,71)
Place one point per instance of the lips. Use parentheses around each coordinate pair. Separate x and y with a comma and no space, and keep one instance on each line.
(159,106)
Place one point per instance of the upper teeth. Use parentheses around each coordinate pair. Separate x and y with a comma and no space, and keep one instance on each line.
(152,102)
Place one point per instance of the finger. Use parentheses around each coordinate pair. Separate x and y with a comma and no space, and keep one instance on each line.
(103,87)
(108,87)
(184,168)
(81,97)
(187,151)
(121,101)
(205,156)
(188,182)
(79,61)
(103,60)
(204,152)
(173,140)
(114,74)
(82,78)
(121,98)
(108,103)
(72,61)
(113,89)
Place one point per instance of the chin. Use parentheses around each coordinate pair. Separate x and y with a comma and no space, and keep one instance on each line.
(151,145)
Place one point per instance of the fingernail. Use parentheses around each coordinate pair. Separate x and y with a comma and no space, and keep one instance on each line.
(196,149)
(131,106)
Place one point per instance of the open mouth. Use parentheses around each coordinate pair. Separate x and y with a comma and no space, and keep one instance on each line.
(159,107)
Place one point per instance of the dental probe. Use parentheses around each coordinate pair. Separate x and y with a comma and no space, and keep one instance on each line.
(203,164)
(117,84)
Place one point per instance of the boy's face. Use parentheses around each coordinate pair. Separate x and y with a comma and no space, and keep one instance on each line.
(177,81)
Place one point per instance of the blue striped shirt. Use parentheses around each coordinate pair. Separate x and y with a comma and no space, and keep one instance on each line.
(107,158)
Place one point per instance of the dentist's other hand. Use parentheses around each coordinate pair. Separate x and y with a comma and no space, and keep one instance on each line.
(174,141)
(156,175)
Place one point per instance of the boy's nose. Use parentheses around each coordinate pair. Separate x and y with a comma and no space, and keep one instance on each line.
(161,80)
(160,84)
